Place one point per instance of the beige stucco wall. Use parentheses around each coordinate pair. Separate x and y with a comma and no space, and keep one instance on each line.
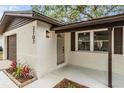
(1,40)
(26,50)
(46,49)
(42,55)
(95,60)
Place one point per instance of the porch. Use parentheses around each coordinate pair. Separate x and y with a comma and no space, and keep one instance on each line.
(88,77)
(84,76)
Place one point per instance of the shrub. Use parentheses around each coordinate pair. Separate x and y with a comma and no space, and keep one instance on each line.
(21,70)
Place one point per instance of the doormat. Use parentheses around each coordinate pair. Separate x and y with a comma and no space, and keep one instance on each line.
(66,83)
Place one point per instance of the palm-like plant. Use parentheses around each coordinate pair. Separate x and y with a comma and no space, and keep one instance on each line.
(18,72)
(22,71)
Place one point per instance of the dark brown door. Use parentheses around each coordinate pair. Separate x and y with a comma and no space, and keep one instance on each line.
(11,47)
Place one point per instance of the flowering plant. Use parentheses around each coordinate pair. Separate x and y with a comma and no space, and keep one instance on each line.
(14,64)
(21,70)
(25,71)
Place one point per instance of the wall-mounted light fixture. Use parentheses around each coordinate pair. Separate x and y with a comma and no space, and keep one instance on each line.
(48,34)
(33,36)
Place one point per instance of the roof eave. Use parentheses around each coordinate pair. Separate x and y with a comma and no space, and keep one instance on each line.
(90,23)
(26,14)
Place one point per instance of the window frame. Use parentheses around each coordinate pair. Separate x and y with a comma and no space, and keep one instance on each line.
(94,41)
(91,40)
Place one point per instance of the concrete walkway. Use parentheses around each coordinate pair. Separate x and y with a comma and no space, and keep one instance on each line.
(84,76)
(5,82)
(4,64)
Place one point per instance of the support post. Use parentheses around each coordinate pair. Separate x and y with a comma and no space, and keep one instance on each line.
(110,57)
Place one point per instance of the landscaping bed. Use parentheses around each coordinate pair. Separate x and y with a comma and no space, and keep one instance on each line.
(20,74)
(65,83)
(20,79)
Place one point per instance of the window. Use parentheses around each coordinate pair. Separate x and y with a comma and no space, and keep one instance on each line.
(84,41)
(101,41)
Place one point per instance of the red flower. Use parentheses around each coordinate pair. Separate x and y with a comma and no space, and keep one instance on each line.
(14,64)
(25,71)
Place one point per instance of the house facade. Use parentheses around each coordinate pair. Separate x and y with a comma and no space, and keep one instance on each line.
(46,44)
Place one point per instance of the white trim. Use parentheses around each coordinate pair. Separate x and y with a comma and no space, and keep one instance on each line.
(5,48)
(9,33)
(113,41)
(83,51)
(123,41)
(94,30)
(91,40)
(77,40)
(76,43)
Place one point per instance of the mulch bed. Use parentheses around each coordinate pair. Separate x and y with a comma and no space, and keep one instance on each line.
(20,79)
(65,83)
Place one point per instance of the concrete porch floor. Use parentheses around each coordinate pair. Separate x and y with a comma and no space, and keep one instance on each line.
(84,76)
(71,72)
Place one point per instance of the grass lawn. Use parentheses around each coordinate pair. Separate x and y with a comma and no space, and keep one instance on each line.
(1,55)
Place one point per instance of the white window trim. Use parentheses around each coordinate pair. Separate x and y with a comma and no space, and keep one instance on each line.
(77,40)
(91,40)
(102,40)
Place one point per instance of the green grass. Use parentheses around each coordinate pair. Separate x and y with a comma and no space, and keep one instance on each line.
(1,55)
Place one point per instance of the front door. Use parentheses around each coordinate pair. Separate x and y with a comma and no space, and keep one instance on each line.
(11,47)
(60,48)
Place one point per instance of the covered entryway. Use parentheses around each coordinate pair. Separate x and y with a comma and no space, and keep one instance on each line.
(60,48)
(11,47)
(114,25)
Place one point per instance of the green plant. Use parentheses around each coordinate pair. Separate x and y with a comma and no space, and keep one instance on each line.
(70,85)
(18,72)
(22,70)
